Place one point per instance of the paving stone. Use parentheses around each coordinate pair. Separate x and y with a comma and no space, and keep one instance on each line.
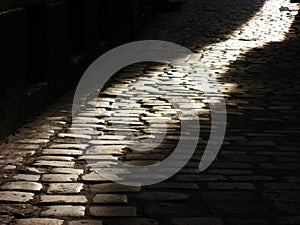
(280,166)
(62,152)
(64,188)
(252,178)
(58,118)
(289,220)
(59,177)
(234,165)
(113,211)
(64,141)
(40,221)
(197,178)
(230,172)
(113,188)
(110,198)
(93,177)
(9,167)
(111,142)
(144,157)
(282,196)
(106,150)
(249,222)
(237,208)
(67,171)
(63,211)
(131,221)
(63,199)
(228,196)
(165,185)
(256,65)
(55,158)
(21,210)
(33,141)
(68,146)
(196,221)
(172,209)
(111,137)
(26,146)
(85,222)
(162,196)
(290,208)
(23,186)
(15,196)
(292,179)
(282,186)
(34,170)
(81,136)
(27,177)
(228,186)
(4,219)
(98,157)
(45,163)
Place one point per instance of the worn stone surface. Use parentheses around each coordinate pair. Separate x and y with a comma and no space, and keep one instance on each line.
(250,51)
(59,177)
(112,188)
(6,219)
(40,221)
(85,222)
(67,171)
(46,163)
(63,211)
(113,211)
(196,221)
(15,196)
(27,177)
(132,221)
(21,210)
(110,198)
(64,188)
(23,186)
(162,196)
(68,199)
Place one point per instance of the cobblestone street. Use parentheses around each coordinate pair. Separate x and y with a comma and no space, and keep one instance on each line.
(252,49)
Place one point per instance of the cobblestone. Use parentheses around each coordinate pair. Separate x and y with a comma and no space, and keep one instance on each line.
(132,221)
(162,196)
(22,186)
(63,211)
(68,199)
(113,211)
(21,210)
(254,56)
(15,196)
(110,198)
(113,188)
(85,222)
(196,220)
(46,163)
(62,152)
(231,186)
(67,171)
(253,222)
(6,219)
(59,177)
(64,188)
(40,221)
(27,177)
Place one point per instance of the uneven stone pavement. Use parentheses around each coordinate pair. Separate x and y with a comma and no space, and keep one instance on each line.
(253,181)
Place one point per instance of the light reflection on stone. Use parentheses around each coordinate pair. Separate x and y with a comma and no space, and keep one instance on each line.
(268,25)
